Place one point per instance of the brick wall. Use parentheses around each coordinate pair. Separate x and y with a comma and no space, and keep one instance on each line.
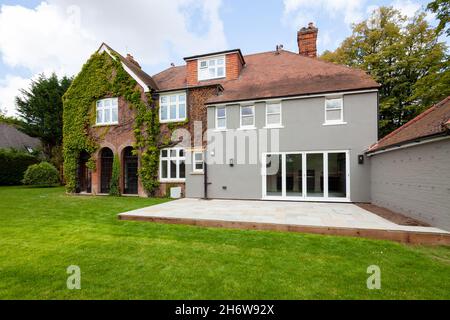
(307,41)
(192,72)
(234,66)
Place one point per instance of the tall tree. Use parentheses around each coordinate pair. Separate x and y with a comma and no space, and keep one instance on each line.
(41,109)
(404,55)
(442,10)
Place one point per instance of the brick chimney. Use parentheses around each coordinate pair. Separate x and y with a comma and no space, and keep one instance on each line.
(131,59)
(307,41)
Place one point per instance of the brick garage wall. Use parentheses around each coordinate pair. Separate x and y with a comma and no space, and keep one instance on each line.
(414,181)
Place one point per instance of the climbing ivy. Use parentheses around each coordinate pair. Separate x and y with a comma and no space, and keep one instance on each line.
(101,77)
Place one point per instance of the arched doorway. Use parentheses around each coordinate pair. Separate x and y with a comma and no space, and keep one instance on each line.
(107,157)
(84,174)
(130,171)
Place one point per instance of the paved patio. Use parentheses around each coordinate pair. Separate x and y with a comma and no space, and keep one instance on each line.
(273,215)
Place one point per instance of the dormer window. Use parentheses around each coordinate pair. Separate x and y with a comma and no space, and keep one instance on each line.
(211,68)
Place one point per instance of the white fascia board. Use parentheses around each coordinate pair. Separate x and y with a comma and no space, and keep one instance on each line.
(128,70)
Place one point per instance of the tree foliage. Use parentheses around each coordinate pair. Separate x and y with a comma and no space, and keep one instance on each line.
(43,174)
(14,163)
(403,55)
(41,109)
(442,10)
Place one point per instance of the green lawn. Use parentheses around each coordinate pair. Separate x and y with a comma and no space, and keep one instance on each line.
(43,231)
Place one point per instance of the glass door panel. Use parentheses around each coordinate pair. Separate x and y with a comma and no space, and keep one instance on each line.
(314,175)
(274,175)
(294,180)
(337,175)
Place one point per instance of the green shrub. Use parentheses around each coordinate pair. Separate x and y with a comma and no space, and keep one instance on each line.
(43,174)
(13,165)
(114,186)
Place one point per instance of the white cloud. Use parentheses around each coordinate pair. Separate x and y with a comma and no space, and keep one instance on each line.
(9,89)
(406,7)
(58,36)
(350,11)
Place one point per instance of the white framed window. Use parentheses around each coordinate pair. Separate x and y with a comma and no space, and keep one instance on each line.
(221,117)
(172,107)
(211,68)
(273,114)
(172,165)
(198,162)
(334,111)
(107,111)
(247,116)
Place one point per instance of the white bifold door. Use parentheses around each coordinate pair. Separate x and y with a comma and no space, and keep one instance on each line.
(306,176)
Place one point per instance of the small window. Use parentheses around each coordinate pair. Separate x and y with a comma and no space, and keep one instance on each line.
(172,165)
(212,68)
(247,116)
(334,111)
(273,114)
(221,118)
(198,162)
(107,111)
(172,107)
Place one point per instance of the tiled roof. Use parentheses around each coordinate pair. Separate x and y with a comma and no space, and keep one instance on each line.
(434,121)
(11,137)
(269,74)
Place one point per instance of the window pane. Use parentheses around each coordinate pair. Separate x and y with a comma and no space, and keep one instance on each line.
(212,63)
(220,61)
(173,112)
(314,181)
(173,99)
(99,115)
(273,175)
(182,169)
(173,153)
(220,72)
(163,112)
(164,153)
(333,115)
(273,119)
(273,108)
(337,184)
(199,166)
(164,169)
(181,98)
(173,169)
(107,115)
(114,114)
(247,121)
(221,112)
(198,156)
(294,177)
(181,153)
(203,64)
(163,99)
(115,102)
(334,103)
(182,111)
(99,104)
(247,111)
(107,102)
(221,123)
(212,72)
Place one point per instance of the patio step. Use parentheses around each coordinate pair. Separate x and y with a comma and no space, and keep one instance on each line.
(403,236)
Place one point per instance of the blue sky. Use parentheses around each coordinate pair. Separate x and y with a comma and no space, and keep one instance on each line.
(57,36)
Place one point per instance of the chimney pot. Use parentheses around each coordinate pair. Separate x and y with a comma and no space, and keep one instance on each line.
(307,41)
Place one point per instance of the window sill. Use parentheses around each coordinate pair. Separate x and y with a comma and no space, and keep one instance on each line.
(334,123)
(246,128)
(274,127)
(197,173)
(172,121)
(105,125)
(172,180)
(220,130)
(209,79)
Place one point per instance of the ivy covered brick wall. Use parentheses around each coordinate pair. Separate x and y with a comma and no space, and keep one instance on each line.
(102,76)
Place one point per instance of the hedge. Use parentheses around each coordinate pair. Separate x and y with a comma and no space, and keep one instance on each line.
(13,165)
(43,174)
